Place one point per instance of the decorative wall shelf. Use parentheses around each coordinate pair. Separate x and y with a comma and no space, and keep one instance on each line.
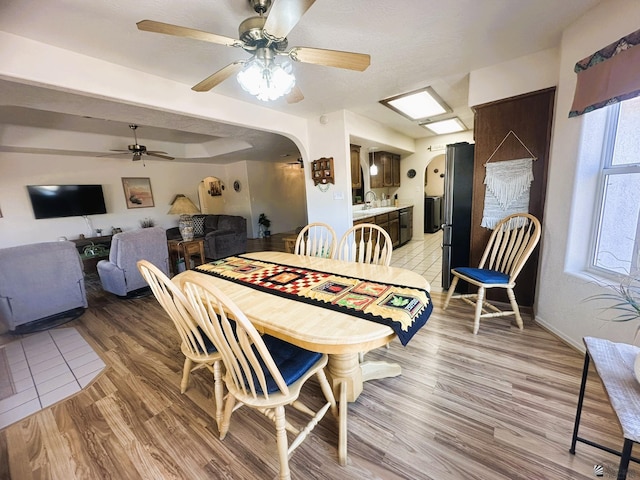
(322,171)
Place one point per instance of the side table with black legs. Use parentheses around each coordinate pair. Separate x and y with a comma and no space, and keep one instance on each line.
(614,364)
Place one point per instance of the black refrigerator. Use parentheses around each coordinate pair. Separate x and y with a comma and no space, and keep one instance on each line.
(458,195)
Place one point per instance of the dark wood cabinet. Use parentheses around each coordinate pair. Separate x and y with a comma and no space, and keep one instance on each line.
(356,172)
(530,117)
(393,228)
(388,170)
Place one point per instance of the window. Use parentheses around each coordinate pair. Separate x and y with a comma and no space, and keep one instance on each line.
(617,245)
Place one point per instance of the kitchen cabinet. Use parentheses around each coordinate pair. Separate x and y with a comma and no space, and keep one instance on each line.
(394,228)
(356,172)
(398,223)
(388,170)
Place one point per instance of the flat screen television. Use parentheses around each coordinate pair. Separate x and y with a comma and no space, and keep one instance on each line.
(54,201)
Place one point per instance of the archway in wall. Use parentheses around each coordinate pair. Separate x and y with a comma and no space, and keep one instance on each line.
(210,192)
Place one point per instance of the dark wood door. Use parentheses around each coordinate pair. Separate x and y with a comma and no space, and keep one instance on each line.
(529,116)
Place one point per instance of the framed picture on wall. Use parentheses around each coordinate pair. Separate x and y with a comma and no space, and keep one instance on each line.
(137,192)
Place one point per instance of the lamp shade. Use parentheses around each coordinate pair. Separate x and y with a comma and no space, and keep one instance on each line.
(182,205)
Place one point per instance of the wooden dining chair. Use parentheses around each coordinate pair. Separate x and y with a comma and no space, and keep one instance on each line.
(316,240)
(196,347)
(509,247)
(262,372)
(366,243)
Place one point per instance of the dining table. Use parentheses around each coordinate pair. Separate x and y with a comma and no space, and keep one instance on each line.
(340,334)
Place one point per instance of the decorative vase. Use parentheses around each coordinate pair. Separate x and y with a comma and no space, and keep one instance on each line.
(187,232)
(185,225)
(636,367)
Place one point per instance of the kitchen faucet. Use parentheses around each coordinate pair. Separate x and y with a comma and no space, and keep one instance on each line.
(366,203)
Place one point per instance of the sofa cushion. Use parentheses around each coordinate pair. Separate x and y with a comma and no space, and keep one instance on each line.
(198,225)
(210,223)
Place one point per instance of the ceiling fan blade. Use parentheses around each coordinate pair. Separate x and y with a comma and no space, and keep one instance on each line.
(169,29)
(295,95)
(114,154)
(218,77)
(159,155)
(331,58)
(284,15)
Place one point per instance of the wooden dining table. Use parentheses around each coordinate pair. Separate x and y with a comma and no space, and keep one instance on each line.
(340,335)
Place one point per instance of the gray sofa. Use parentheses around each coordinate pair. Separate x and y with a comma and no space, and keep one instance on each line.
(119,275)
(224,235)
(40,280)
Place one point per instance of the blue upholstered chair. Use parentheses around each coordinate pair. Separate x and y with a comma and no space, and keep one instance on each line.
(262,372)
(119,275)
(509,248)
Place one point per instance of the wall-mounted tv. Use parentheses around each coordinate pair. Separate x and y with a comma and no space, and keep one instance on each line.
(53,201)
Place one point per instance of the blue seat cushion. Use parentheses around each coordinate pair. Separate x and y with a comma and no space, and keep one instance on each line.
(483,275)
(211,348)
(292,361)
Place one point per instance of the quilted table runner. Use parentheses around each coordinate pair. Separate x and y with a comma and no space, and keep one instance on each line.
(404,309)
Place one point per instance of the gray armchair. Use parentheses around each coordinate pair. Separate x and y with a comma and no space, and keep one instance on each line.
(224,235)
(119,275)
(38,281)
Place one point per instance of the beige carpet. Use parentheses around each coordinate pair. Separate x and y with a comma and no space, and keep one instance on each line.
(6,382)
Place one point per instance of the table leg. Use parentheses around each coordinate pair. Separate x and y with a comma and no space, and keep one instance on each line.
(624,459)
(583,384)
(346,376)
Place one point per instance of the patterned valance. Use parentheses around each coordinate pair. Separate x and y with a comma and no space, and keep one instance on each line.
(608,76)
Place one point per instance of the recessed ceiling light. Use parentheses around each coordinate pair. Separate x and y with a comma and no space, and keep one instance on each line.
(451,125)
(420,104)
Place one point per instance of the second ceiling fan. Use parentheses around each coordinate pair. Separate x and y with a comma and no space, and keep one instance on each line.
(265,38)
(138,150)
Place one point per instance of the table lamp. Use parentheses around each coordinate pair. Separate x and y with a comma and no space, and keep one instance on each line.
(185,208)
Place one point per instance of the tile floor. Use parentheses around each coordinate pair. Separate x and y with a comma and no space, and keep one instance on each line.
(423,255)
(47,367)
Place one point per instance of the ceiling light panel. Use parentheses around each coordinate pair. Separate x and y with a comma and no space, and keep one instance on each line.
(451,125)
(420,104)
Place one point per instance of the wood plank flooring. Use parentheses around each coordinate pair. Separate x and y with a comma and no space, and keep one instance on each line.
(499,405)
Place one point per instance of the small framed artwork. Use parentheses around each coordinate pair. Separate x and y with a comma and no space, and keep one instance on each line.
(137,192)
(215,188)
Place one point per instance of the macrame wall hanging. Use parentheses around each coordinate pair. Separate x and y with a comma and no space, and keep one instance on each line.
(508,184)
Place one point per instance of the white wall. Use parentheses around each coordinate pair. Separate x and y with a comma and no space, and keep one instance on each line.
(521,75)
(17,170)
(561,302)
(563,289)
(277,190)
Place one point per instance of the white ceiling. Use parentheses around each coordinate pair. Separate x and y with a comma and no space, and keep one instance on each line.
(412,43)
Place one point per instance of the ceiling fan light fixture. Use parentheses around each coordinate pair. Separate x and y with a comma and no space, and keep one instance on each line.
(266,79)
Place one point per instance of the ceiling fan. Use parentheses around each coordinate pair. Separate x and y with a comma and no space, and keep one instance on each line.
(139,150)
(265,38)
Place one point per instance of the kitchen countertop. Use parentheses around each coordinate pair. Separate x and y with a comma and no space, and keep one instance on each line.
(372,212)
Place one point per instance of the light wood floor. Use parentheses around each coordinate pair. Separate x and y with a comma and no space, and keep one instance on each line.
(499,405)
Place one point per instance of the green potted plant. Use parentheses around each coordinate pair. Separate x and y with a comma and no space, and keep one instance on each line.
(624,298)
(264,223)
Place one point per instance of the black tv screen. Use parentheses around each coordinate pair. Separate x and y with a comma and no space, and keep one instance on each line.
(53,201)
